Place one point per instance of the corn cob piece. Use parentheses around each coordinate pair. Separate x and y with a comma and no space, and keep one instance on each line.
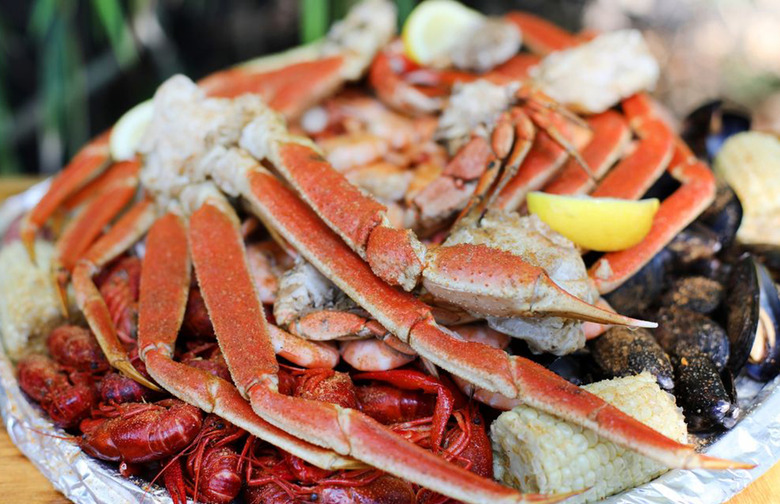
(537,452)
(29,305)
(750,163)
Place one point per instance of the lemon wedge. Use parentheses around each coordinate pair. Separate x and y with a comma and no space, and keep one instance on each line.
(129,130)
(603,224)
(434,27)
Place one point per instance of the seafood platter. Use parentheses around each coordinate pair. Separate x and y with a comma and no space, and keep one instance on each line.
(479,264)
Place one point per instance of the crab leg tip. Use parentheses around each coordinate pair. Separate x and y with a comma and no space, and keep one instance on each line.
(127,369)
(642,323)
(719,464)
(60,281)
(28,240)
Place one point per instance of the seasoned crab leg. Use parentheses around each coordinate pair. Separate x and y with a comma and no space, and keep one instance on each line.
(127,231)
(290,90)
(543,161)
(165,283)
(411,321)
(87,164)
(237,315)
(294,81)
(81,232)
(541,36)
(675,213)
(611,135)
(396,254)
(653,155)
(634,175)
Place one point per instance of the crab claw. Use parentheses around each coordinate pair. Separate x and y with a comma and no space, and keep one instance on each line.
(497,283)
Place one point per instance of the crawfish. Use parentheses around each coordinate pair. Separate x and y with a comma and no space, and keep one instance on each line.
(214,464)
(117,388)
(276,478)
(68,398)
(119,286)
(138,432)
(76,348)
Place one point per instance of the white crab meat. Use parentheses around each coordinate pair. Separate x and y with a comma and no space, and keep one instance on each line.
(534,241)
(303,289)
(595,76)
(368,28)
(473,109)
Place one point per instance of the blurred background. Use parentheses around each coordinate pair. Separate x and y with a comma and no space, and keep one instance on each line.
(70,68)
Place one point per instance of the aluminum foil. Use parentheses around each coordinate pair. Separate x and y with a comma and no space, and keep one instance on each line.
(81,478)
(755,439)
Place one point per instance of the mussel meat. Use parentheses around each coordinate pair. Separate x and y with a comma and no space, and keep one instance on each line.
(753,320)
(764,360)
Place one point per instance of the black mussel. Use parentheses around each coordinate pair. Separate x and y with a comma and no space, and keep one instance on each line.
(696,293)
(706,402)
(766,254)
(695,243)
(715,269)
(623,352)
(679,326)
(642,290)
(724,216)
(578,369)
(706,128)
(742,309)
(730,384)
(764,361)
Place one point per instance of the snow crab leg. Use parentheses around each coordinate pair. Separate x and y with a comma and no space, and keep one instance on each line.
(127,231)
(217,253)
(659,149)
(293,82)
(165,282)
(412,322)
(397,255)
(85,166)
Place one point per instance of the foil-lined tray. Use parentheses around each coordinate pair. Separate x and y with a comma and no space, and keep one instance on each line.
(755,439)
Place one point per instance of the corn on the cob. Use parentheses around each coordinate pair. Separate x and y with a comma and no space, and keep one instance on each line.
(537,452)
(750,163)
(29,308)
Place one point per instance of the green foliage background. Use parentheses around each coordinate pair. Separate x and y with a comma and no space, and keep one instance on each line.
(59,36)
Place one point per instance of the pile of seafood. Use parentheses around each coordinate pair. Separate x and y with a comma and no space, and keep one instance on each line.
(315,277)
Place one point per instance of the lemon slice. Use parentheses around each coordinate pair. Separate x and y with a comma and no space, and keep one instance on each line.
(434,27)
(129,130)
(603,224)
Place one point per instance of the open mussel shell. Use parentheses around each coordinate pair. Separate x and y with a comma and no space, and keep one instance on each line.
(707,127)
(742,302)
(764,359)
(753,320)
(766,254)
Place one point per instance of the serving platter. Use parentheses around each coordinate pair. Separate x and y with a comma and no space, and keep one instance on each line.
(755,439)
